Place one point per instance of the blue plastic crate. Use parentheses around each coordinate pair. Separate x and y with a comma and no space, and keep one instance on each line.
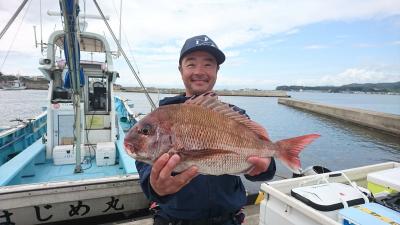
(369,214)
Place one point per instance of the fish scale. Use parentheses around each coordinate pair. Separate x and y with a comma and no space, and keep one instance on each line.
(212,131)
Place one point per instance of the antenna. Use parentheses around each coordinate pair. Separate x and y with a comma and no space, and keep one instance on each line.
(41,28)
(55,13)
(120,22)
(34,32)
(84,13)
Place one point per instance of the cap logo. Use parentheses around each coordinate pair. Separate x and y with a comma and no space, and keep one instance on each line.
(202,43)
(205,41)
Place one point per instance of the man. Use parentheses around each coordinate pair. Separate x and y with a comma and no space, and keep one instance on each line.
(189,198)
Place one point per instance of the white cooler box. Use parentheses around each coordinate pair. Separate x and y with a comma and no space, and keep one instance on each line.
(384,182)
(328,196)
(65,154)
(105,154)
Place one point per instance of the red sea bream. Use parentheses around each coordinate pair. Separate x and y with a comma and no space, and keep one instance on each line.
(209,134)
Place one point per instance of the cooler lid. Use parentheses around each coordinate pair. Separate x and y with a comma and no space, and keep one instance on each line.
(327,196)
(388,178)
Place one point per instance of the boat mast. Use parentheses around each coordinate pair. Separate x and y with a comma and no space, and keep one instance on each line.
(13,18)
(69,10)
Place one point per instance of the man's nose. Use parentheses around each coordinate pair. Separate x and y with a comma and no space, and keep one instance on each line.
(199,70)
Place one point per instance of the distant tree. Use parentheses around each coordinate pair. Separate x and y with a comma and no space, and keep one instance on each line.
(367,87)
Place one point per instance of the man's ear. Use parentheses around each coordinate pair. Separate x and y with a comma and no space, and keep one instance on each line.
(180,68)
(217,68)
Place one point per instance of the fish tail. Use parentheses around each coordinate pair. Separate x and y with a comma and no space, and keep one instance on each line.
(288,150)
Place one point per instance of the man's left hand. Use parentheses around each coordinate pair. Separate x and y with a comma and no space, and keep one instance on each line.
(260,165)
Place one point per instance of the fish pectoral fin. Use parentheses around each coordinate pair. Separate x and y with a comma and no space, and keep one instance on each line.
(247,170)
(172,151)
(175,148)
(203,153)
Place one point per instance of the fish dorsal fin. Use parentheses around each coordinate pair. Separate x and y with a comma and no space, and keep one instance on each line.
(210,100)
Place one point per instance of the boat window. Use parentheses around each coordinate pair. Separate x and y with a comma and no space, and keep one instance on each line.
(97,94)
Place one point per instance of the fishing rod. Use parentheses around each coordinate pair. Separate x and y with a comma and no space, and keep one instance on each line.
(153,106)
(13,18)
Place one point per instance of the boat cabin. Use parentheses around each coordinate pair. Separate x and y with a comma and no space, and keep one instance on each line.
(96,80)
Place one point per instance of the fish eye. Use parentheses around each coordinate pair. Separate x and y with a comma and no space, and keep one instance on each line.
(146,129)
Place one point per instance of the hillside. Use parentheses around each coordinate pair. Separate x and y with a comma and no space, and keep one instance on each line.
(367,87)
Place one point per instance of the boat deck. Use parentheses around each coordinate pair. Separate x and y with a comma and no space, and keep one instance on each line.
(251,211)
(48,172)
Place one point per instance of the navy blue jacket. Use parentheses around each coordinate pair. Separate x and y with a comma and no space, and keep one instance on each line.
(205,196)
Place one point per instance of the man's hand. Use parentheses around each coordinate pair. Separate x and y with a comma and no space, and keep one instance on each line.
(161,180)
(260,165)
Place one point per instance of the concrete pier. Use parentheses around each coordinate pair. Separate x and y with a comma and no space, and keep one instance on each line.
(241,92)
(252,93)
(389,123)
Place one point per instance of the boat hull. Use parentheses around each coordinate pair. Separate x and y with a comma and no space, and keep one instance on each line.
(59,201)
(14,88)
(22,202)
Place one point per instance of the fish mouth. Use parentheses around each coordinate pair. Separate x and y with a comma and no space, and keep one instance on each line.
(129,148)
(135,153)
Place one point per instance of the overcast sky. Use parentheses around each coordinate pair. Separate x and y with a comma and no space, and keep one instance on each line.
(267,43)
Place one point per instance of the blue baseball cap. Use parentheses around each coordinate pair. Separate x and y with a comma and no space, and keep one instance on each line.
(202,43)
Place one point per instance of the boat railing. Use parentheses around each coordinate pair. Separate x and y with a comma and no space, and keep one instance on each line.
(124,110)
(22,165)
(126,119)
(15,140)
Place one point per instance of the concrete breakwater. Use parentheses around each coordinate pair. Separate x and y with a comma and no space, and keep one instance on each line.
(240,92)
(252,93)
(389,123)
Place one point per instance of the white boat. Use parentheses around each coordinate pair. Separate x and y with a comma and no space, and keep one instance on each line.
(46,177)
(14,85)
(69,162)
(280,207)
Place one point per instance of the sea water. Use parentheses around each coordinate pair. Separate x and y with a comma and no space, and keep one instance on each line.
(342,145)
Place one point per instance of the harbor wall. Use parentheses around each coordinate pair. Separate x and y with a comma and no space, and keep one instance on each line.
(252,93)
(386,122)
(240,92)
(38,83)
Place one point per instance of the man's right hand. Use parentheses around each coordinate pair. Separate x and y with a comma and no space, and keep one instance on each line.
(161,179)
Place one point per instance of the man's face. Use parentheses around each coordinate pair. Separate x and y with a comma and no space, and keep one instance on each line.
(199,72)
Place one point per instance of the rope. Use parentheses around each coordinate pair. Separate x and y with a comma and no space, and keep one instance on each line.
(153,106)
(15,35)
(126,40)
